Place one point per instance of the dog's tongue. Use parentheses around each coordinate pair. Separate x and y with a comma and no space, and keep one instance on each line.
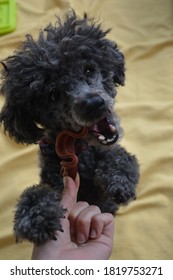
(65,149)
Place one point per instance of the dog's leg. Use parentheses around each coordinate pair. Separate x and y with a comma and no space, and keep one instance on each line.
(117,173)
(38,214)
(108,178)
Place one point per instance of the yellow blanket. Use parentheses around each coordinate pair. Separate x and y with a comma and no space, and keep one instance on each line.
(143,30)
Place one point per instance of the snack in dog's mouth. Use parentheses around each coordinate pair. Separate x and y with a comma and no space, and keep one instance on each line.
(105,132)
(65,149)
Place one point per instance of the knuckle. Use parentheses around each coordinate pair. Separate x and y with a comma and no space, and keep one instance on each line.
(83,204)
(95,208)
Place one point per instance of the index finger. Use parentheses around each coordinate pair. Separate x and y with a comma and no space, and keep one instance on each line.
(69,197)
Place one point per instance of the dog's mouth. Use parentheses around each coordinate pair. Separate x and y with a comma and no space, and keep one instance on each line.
(104,132)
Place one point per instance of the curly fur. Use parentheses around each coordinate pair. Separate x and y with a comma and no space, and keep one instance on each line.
(67,79)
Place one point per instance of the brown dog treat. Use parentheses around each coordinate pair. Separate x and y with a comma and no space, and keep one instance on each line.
(65,149)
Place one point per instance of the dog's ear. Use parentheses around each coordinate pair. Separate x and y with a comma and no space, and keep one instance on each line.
(119,70)
(114,61)
(117,63)
(22,84)
(19,124)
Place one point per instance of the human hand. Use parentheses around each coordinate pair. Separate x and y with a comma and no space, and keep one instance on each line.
(88,233)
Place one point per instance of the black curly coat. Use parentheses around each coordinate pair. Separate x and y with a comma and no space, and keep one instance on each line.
(67,80)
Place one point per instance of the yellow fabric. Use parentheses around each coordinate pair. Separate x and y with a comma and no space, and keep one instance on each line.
(144,31)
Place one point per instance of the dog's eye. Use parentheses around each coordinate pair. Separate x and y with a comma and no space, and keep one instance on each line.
(89,72)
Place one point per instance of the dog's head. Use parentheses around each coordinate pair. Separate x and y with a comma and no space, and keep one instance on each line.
(65,80)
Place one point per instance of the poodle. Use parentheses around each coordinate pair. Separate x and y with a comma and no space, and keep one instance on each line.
(67,80)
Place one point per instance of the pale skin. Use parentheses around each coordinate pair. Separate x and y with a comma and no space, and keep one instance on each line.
(88,233)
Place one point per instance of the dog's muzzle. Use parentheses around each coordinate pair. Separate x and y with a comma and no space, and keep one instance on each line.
(94,110)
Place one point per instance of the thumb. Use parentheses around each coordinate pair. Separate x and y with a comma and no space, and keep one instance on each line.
(70,193)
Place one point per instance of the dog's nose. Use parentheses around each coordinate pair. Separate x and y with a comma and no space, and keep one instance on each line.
(94,103)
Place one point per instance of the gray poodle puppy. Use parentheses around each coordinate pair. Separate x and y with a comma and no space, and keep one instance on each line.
(67,80)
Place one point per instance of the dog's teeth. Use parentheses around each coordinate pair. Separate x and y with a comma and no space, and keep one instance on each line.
(109,140)
(104,142)
(101,137)
(112,128)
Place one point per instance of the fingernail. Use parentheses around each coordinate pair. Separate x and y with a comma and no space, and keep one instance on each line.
(65,180)
(77,178)
(81,238)
(93,233)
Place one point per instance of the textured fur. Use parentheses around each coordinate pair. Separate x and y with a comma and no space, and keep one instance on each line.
(67,79)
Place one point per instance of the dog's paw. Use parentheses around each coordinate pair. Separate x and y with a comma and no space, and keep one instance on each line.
(121,194)
(38,215)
